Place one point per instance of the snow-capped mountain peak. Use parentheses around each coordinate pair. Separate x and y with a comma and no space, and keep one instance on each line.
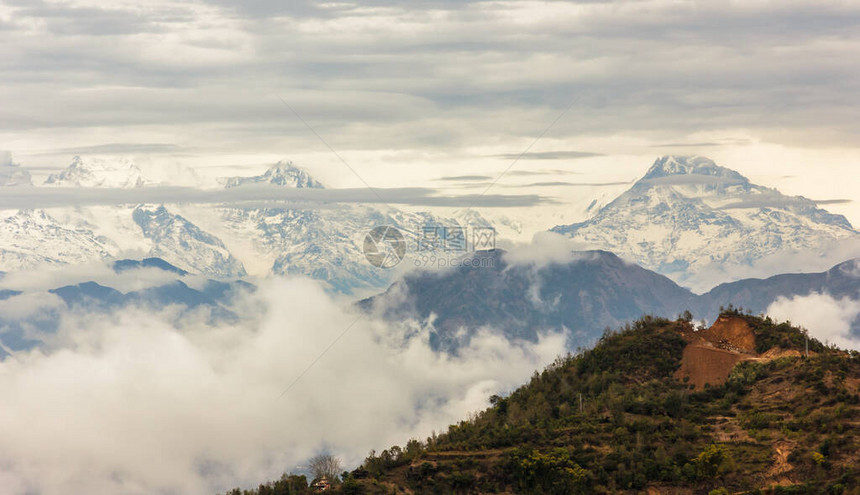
(693,220)
(283,173)
(672,165)
(97,172)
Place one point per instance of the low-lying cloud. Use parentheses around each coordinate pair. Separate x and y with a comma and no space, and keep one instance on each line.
(49,277)
(127,403)
(828,319)
(11,173)
(569,184)
(545,248)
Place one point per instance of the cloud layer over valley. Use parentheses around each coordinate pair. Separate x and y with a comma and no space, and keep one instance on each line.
(129,403)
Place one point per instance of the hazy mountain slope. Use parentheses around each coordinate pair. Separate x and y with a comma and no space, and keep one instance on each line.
(164,234)
(693,220)
(188,293)
(596,290)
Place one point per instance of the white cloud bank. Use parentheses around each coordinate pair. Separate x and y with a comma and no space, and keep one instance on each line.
(827,319)
(546,248)
(129,404)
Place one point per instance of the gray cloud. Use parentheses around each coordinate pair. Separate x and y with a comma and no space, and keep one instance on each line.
(69,19)
(121,148)
(6,160)
(251,196)
(540,172)
(550,155)
(485,180)
(485,74)
(778,201)
(703,144)
(467,178)
(569,184)
(686,145)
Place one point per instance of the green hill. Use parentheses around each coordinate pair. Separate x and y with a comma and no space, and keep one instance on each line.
(622,418)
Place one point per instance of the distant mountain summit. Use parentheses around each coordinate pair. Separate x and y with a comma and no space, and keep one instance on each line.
(691,219)
(668,166)
(95,172)
(284,173)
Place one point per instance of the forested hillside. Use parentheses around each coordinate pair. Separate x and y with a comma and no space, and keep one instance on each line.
(626,417)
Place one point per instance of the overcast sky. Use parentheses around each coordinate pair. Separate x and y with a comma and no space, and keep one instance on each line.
(410,92)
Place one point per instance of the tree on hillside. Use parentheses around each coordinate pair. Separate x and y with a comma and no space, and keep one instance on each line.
(325,465)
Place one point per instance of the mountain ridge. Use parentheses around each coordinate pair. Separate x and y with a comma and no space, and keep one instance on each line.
(592,291)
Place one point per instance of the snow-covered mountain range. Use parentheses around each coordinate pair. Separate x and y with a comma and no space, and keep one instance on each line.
(324,243)
(697,222)
(215,241)
(687,218)
(33,238)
